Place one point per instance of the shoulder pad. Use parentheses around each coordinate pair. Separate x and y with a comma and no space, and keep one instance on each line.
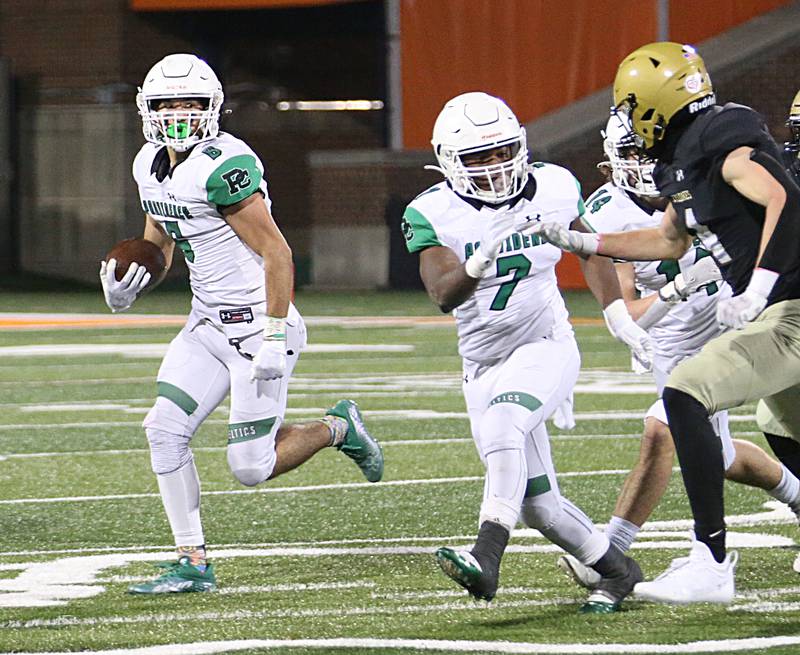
(233,179)
(418,218)
(730,127)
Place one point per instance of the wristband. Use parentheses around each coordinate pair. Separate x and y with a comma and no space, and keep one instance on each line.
(476,265)
(762,282)
(591,243)
(617,313)
(275,329)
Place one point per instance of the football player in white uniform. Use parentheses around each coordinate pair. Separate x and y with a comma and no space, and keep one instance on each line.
(204,190)
(520,358)
(676,301)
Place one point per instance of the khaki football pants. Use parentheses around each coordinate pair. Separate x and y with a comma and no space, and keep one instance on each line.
(759,362)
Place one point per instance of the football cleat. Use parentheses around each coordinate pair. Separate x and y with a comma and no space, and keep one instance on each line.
(582,575)
(461,566)
(611,590)
(796,565)
(358,444)
(178,577)
(698,578)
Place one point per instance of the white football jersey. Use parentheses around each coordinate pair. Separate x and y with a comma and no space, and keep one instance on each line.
(224,272)
(692,322)
(517,300)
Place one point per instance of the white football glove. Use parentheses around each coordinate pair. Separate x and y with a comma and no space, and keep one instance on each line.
(735,312)
(499,227)
(563,417)
(120,295)
(269,363)
(623,328)
(581,243)
(700,274)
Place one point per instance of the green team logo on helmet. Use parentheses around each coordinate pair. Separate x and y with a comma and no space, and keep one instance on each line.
(656,81)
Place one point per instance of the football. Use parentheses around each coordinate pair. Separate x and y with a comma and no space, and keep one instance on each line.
(143,252)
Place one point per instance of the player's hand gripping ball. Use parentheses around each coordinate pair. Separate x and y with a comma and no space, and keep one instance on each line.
(128,269)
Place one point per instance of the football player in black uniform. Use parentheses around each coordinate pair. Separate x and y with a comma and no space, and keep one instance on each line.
(723,175)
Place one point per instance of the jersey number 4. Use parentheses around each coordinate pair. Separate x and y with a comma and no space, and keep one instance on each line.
(520,266)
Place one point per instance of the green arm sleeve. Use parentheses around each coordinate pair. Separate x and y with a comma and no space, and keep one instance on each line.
(233,180)
(418,232)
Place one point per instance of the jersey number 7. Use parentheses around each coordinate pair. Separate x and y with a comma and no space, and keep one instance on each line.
(520,266)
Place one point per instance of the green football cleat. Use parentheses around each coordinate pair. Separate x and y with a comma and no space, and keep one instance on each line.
(358,445)
(462,567)
(178,577)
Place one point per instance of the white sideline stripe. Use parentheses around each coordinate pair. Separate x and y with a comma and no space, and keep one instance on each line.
(461,646)
(158,350)
(311,487)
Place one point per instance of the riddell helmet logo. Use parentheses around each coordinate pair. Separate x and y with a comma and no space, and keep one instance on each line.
(490,136)
(697,105)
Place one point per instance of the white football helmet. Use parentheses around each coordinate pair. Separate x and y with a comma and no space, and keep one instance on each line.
(186,77)
(631,169)
(472,123)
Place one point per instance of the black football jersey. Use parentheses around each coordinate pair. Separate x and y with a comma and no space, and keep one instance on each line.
(728,224)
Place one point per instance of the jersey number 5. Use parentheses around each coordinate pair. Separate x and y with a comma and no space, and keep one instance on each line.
(174,230)
(520,266)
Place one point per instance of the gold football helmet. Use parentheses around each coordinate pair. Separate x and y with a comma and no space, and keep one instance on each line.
(792,146)
(656,81)
(794,118)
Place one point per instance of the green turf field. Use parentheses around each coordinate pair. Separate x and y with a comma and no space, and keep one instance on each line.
(318,560)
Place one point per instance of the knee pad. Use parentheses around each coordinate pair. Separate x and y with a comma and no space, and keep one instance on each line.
(166,416)
(502,428)
(168,452)
(252,462)
(542,511)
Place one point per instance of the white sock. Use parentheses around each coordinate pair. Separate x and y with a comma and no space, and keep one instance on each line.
(180,493)
(506,477)
(621,533)
(788,489)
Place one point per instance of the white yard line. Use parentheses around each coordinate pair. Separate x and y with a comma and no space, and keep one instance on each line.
(299,488)
(158,350)
(460,646)
(383,414)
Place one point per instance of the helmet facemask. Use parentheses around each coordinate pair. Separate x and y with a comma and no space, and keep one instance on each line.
(179,128)
(491,182)
(631,168)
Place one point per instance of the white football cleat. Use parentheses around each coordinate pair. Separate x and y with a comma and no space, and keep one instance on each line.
(698,578)
(796,565)
(582,575)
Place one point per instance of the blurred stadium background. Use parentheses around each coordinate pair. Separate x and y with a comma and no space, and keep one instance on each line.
(338,98)
(340,173)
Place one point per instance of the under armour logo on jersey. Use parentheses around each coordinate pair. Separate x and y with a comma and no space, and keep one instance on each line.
(679,175)
(530,219)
